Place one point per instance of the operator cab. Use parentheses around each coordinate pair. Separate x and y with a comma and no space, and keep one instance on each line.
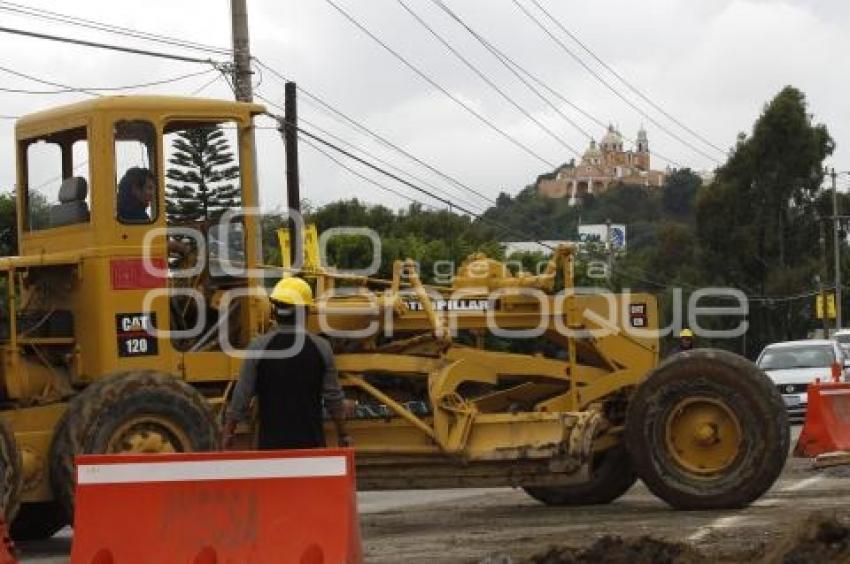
(142,198)
(73,159)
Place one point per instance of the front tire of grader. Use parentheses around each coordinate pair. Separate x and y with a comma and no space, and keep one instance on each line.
(612,476)
(707,430)
(130,413)
(10,473)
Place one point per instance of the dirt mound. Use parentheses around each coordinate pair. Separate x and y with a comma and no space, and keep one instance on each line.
(615,550)
(821,538)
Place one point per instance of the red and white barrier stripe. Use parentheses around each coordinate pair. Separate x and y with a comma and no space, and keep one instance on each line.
(204,470)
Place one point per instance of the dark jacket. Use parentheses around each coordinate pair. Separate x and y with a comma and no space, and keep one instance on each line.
(293,375)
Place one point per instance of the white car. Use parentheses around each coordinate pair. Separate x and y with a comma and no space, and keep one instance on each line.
(843,338)
(793,365)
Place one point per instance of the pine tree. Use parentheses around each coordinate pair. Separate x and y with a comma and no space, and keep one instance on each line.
(203,176)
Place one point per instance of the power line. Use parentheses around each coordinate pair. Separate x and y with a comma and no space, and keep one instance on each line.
(363,176)
(35,92)
(363,151)
(788,298)
(481,218)
(53,179)
(518,70)
(608,85)
(398,179)
(505,60)
(387,164)
(750,297)
(43,14)
(65,89)
(436,85)
(108,46)
(343,118)
(487,79)
(369,133)
(622,79)
(204,86)
(376,168)
(391,190)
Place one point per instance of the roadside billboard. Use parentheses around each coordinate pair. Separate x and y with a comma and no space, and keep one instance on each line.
(597,234)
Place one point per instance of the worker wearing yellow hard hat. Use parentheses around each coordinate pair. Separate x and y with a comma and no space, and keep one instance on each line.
(686,341)
(293,376)
(292,291)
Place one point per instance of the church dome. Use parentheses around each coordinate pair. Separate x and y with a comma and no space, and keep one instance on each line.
(592,151)
(612,140)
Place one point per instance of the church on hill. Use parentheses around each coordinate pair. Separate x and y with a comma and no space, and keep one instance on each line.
(601,166)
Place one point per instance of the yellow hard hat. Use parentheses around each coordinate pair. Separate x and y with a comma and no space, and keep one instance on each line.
(292,291)
(686,333)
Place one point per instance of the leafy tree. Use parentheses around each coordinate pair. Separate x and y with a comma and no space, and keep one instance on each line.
(203,176)
(9,222)
(757,223)
(770,183)
(624,203)
(678,193)
(672,258)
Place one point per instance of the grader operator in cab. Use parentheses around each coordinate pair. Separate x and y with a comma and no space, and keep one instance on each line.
(110,344)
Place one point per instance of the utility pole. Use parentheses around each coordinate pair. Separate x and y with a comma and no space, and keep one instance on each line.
(293,189)
(242,86)
(244,92)
(819,280)
(836,251)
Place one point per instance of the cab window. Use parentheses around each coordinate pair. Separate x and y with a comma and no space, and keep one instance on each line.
(203,183)
(202,179)
(57,179)
(137,198)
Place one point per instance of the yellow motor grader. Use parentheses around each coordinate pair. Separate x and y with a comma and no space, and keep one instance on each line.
(112,343)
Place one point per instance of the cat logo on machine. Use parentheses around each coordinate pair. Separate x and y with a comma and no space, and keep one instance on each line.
(134,332)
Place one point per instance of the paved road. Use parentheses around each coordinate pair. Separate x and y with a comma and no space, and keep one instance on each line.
(510,522)
(466,525)
(57,549)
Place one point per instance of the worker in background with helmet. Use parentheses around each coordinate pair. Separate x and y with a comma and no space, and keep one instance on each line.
(292,374)
(686,341)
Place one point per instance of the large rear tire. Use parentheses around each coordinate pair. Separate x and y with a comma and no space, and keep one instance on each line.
(38,520)
(133,412)
(611,477)
(707,430)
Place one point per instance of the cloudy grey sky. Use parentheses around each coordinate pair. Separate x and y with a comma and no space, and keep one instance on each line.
(710,63)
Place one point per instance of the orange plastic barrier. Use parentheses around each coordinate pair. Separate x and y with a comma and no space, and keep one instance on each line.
(827,425)
(217,508)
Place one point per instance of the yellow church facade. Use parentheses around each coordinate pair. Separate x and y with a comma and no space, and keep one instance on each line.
(601,166)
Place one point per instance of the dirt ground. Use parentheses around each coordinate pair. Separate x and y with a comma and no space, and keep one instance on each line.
(507,527)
